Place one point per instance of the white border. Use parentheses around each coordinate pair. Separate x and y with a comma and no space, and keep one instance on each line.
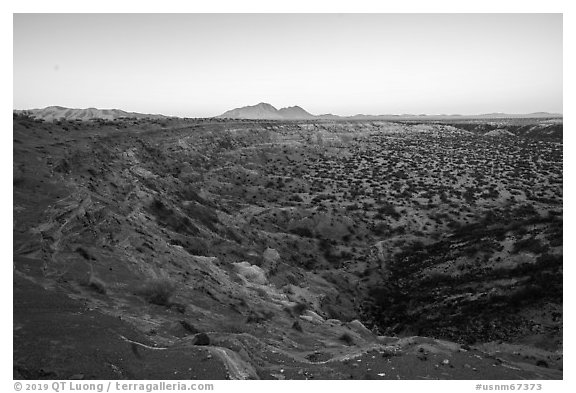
(302,6)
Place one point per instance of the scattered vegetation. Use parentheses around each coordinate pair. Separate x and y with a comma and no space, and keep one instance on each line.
(157,291)
(418,228)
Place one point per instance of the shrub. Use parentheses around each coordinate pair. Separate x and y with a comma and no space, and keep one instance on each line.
(18,180)
(171,219)
(188,327)
(157,291)
(387,209)
(299,308)
(302,232)
(203,214)
(259,316)
(296,326)
(347,339)
(295,198)
(532,245)
(236,327)
(418,245)
(542,363)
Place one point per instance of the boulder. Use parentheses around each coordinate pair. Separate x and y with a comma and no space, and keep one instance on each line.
(271,258)
(251,273)
(359,328)
(201,339)
(312,317)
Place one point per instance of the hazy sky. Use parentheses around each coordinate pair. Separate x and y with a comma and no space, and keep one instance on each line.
(205,64)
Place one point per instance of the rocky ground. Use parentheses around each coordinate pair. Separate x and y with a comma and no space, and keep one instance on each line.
(213,249)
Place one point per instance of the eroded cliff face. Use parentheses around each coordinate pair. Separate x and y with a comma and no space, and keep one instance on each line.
(220,249)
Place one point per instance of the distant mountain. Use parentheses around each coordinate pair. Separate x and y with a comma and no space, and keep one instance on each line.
(295,112)
(52,113)
(268,112)
(262,111)
(259,111)
(362,116)
(328,116)
(500,115)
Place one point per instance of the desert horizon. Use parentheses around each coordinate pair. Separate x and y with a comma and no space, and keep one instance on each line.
(247,115)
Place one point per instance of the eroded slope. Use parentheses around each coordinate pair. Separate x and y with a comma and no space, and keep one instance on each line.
(260,245)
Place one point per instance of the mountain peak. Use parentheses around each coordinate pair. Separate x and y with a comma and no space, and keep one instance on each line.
(295,112)
(265,105)
(266,111)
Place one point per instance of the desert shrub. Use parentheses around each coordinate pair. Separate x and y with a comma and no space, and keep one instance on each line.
(542,363)
(526,295)
(295,198)
(556,240)
(296,326)
(299,308)
(258,316)
(352,207)
(400,230)
(169,218)
(302,232)
(18,180)
(194,245)
(178,307)
(381,295)
(532,245)
(261,292)
(549,261)
(418,245)
(436,278)
(235,327)
(292,279)
(157,291)
(203,214)
(381,229)
(525,210)
(189,194)
(347,339)
(188,327)
(387,209)
(85,254)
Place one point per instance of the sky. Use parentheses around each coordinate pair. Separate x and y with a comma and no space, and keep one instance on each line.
(200,65)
